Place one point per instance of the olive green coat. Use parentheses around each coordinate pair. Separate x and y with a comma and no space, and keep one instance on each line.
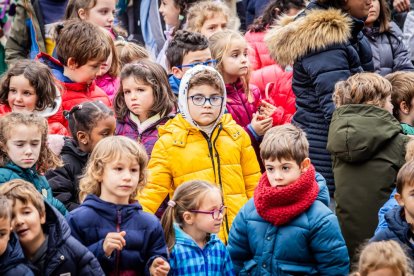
(367,150)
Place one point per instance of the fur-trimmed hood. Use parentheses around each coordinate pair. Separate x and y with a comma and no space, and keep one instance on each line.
(312,30)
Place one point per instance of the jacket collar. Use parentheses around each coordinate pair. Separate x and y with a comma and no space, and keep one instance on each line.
(110,211)
(312,30)
(183,238)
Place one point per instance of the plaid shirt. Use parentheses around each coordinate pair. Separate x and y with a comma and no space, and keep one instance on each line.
(187,258)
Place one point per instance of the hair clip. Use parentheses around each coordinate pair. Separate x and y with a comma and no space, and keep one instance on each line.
(171,203)
(139,64)
(66,114)
(180,17)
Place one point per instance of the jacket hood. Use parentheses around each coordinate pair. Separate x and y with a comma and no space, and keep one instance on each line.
(397,224)
(347,142)
(71,147)
(182,237)
(56,226)
(312,30)
(183,93)
(109,211)
(13,254)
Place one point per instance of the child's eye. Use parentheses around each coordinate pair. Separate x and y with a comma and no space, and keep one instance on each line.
(27,93)
(118,169)
(127,91)
(104,11)
(285,168)
(35,143)
(269,169)
(212,28)
(134,170)
(13,91)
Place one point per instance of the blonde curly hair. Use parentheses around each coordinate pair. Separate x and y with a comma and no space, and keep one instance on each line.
(109,150)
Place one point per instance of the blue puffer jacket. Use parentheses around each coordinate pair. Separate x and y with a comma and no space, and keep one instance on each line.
(325,46)
(11,171)
(65,255)
(12,261)
(310,244)
(398,230)
(95,218)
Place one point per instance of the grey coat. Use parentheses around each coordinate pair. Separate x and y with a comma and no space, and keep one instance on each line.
(389,53)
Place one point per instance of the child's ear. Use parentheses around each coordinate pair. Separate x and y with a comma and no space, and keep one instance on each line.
(177,72)
(82,14)
(398,198)
(72,64)
(42,218)
(83,137)
(304,166)
(404,107)
(188,218)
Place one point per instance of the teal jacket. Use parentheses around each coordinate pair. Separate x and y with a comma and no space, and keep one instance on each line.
(11,171)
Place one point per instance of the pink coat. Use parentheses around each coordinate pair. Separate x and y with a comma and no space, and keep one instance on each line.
(108,84)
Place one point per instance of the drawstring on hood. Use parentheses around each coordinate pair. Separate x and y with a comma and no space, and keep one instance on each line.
(183,97)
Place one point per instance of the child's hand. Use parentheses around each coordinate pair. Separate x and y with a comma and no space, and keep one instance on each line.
(113,241)
(267,109)
(261,125)
(159,267)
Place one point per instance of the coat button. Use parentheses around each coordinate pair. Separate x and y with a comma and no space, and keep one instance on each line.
(264,265)
(62,257)
(268,238)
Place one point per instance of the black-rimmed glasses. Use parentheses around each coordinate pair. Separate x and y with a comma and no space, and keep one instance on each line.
(214,213)
(211,62)
(200,100)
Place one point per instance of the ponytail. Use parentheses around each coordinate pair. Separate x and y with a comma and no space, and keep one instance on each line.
(167,222)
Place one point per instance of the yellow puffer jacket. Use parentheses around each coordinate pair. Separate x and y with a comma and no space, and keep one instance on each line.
(182,153)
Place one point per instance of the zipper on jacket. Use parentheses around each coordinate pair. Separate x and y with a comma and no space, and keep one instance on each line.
(118,229)
(244,106)
(210,150)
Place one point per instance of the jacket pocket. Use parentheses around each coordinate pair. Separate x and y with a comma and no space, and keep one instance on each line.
(249,268)
(297,269)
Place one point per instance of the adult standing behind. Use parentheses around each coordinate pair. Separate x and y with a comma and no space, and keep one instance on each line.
(325,44)
(389,53)
(33,28)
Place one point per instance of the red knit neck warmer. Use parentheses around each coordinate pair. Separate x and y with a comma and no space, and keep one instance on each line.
(279,205)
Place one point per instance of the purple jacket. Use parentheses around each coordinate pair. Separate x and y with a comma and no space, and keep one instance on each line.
(240,108)
(148,137)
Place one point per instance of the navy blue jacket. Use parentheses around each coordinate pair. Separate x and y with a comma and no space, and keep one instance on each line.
(310,244)
(254,9)
(398,230)
(12,262)
(325,46)
(95,218)
(65,255)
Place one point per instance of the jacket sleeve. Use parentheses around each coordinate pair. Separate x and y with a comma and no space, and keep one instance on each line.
(325,70)
(63,185)
(96,248)
(328,247)
(160,179)
(238,244)
(86,261)
(228,269)
(17,44)
(158,247)
(249,165)
(402,61)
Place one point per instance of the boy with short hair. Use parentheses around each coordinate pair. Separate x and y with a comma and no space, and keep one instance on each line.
(81,48)
(45,235)
(400,219)
(12,261)
(287,226)
(402,99)
(184,51)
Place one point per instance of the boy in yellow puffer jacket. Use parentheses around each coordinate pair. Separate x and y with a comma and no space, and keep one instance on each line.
(202,142)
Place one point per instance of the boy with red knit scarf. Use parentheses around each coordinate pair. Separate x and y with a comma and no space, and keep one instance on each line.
(287,228)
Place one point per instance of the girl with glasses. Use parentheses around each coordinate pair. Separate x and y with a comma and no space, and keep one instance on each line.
(191,222)
(202,142)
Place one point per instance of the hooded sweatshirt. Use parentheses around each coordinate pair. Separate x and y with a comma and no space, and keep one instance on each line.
(367,149)
(220,153)
(64,181)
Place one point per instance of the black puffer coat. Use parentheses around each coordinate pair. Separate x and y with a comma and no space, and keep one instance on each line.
(325,46)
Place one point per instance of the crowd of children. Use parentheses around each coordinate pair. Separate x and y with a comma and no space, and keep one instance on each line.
(272,153)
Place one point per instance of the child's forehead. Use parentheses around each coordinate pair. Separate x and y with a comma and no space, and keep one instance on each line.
(279,161)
